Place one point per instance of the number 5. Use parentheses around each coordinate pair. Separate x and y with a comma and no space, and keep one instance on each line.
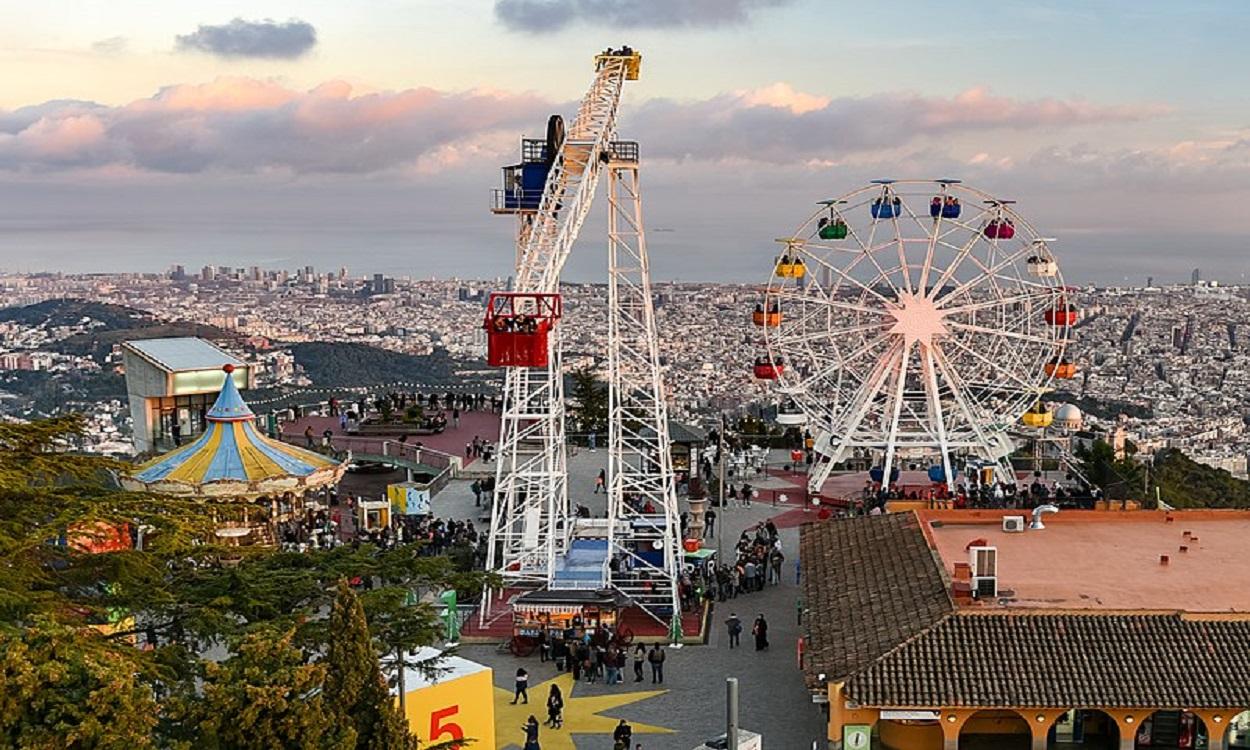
(438,728)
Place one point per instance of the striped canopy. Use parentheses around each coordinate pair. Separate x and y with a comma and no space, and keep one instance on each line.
(232,459)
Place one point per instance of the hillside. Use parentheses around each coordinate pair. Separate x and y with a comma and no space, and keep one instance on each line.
(54,313)
(115,324)
(344,364)
(1185,483)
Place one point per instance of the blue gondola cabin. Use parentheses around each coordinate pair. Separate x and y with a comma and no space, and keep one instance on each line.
(517,327)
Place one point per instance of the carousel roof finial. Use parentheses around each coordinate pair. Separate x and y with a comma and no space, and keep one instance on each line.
(230,406)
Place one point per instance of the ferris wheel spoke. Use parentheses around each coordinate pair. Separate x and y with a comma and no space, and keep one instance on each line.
(841,361)
(996,368)
(1003,334)
(959,392)
(862,400)
(992,271)
(846,276)
(831,334)
(937,416)
(900,385)
(868,251)
(951,268)
(993,303)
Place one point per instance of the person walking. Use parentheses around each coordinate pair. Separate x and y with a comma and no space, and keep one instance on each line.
(656,658)
(555,708)
(640,656)
(455,417)
(709,523)
(760,631)
(522,688)
(176,432)
(601,481)
(531,734)
(308,437)
(477,493)
(734,625)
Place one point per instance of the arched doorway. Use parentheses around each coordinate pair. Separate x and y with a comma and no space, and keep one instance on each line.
(1238,733)
(1171,730)
(1084,729)
(995,730)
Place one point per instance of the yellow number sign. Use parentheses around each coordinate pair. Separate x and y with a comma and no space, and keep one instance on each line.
(456,705)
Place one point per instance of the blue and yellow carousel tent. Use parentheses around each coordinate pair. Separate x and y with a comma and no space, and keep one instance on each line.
(232,459)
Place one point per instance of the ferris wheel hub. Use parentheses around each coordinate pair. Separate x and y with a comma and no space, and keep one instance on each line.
(917,319)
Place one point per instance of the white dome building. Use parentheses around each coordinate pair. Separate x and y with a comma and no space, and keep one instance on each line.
(1069,417)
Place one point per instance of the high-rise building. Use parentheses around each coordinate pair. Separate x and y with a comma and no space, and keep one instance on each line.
(207,273)
(1195,277)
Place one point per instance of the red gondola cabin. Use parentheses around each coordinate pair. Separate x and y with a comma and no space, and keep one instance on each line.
(517,325)
(766,370)
(1062,314)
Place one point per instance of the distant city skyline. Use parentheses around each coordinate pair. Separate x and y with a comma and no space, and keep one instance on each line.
(317,132)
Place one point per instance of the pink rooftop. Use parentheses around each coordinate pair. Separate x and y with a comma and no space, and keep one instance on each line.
(1108,560)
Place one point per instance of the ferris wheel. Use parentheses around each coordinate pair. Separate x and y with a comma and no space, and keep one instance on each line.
(914,320)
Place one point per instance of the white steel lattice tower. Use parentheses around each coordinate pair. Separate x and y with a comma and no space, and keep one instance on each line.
(531,529)
(642,499)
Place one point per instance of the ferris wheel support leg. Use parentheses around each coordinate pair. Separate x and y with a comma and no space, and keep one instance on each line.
(863,400)
(639,452)
(939,419)
(892,439)
(821,475)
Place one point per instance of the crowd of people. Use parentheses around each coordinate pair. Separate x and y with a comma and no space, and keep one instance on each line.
(976,494)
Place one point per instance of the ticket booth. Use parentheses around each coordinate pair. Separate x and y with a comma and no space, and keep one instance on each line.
(373,515)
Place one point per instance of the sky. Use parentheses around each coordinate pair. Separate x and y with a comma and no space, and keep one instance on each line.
(139,134)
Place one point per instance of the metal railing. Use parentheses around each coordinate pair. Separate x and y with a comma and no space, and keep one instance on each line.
(623,151)
(515,199)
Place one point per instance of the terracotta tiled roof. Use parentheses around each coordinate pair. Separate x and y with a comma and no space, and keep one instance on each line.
(1064,660)
(869,583)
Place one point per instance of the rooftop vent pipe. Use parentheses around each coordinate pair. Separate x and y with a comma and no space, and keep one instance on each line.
(1037,515)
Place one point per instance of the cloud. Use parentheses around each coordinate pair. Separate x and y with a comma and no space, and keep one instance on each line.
(780,124)
(244,125)
(241,38)
(249,126)
(542,16)
(114,45)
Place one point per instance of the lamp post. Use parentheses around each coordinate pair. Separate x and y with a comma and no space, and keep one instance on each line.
(720,492)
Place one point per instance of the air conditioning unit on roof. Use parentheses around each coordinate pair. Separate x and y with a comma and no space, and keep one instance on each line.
(984,563)
(1013,524)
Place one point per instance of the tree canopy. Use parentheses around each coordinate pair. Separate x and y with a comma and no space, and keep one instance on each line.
(72,674)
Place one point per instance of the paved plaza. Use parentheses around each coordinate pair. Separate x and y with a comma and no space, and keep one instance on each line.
(690,706)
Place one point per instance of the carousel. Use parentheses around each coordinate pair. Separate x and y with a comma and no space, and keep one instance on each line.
(260,482)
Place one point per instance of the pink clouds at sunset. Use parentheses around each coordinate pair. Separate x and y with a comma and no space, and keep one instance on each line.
(248,125)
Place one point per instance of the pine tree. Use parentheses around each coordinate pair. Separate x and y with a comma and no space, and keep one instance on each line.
(354,684)
(267,697)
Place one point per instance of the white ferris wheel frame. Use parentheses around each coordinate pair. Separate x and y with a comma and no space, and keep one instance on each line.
(915,335)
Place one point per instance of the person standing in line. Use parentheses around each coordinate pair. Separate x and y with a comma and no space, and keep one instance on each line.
(640,656)
(656,658)
(531,734)
(522,689)
(734,625)
(760,631)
